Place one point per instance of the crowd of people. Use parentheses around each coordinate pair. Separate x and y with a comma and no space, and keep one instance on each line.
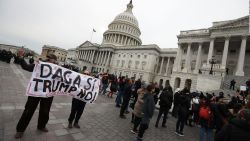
(5,55)
(220,117)
(217,117)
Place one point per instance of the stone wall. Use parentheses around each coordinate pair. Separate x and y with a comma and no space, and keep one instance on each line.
(208,82)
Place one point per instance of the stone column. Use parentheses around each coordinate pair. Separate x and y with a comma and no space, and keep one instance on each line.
(187,67)
(92,57)
(198,59)
(104,58)
(166,73)
(177,58)
(225,52)
(162,60)
(241,60)
(107,61)
(97,57)
(83,55)
(87,54)
(100,59)
(211,50)
(125,42)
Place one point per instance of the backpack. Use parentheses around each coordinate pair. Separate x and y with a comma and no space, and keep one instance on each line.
(205,113)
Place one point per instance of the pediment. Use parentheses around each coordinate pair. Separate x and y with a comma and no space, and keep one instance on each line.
(240,22)
(86,44)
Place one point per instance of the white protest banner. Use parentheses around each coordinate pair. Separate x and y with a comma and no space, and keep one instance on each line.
(50,80)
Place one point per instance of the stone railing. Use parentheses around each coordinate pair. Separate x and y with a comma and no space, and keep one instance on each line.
(199,31)
(217,70)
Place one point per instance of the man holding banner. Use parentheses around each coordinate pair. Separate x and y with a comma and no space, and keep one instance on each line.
(31,104)
(50,80)
(77,108)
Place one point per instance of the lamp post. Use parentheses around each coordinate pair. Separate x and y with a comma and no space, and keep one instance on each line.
(212,62)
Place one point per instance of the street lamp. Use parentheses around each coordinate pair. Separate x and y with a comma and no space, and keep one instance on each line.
(212,61)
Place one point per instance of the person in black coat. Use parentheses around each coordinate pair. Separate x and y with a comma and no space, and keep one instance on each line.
(237,129)
(31,104)
(176,102)
(126,97)
(166,100)
(183,111)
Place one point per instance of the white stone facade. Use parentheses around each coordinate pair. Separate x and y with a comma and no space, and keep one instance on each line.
(226,43)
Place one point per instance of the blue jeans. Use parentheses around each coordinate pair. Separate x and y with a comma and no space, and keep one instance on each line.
(203,132)
(118,99)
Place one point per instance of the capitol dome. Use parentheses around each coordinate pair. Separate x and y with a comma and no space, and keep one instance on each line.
(124,30)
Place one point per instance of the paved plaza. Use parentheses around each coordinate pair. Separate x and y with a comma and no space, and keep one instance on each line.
(99,122)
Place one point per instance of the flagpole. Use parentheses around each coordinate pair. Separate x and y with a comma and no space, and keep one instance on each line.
(91,36)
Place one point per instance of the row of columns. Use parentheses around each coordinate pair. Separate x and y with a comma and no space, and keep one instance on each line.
(187,67)
(167,66)
(120,39)
(101,58)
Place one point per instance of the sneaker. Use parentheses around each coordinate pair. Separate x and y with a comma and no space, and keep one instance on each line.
(76,125)
(43,129)
(176,132)
(164,126)
(181,134)
(133,131)
(18,135)
(70,125)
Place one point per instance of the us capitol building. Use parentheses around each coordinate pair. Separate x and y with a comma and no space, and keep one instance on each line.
(122,53)
(224,46)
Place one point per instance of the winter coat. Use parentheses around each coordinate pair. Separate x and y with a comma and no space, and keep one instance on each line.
(148,108)
(235,130)
(139,103)
(127,92)
(166,99)
(27,67)
(184,104)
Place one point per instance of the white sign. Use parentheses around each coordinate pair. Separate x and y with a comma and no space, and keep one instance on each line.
(243,88)
(50,80)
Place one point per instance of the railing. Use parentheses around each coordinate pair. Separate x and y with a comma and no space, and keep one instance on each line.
(199,31)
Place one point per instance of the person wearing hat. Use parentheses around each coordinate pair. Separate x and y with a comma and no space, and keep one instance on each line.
(237,129)
(32,102)
(77,108)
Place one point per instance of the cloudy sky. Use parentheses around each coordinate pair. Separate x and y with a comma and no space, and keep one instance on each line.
(68,23)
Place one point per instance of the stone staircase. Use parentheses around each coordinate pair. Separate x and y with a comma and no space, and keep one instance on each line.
(240,81)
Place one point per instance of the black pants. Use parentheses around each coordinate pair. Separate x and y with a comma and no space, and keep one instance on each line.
(137,121)
(163,111)
(30,107)
(232,87)
(124,106)
(77,108)
(182,117)
(142,129)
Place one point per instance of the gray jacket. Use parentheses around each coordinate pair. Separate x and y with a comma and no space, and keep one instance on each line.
(148,108)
